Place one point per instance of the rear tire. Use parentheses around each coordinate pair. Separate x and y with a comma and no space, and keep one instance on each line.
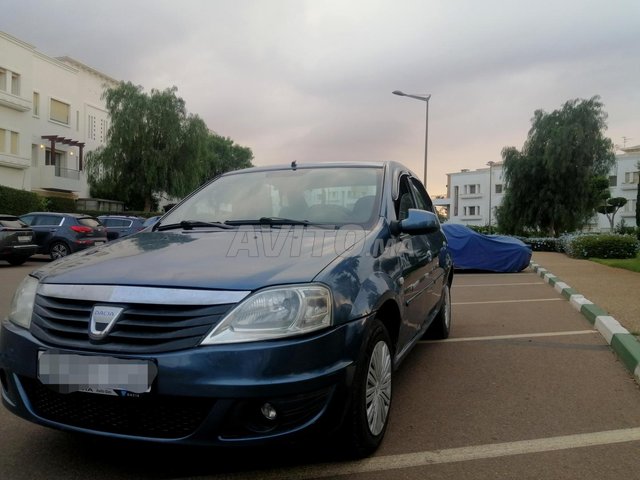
(441,326)
(59,250)
(368,415)
(17,260)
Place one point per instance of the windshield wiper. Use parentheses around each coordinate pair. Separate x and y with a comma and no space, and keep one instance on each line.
(191,224)
(275,221)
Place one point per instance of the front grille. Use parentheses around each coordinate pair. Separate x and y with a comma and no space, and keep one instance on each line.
(146,416)
(141,328)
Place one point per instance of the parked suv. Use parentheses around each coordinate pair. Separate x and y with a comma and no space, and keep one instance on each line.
(16,240)
(59,234)
(121,225)
(271,304)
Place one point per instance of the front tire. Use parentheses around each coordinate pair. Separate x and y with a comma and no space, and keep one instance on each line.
(371,403)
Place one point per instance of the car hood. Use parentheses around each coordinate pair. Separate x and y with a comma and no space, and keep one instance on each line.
(244,259)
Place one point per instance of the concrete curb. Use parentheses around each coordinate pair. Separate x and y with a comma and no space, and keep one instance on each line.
(625,345)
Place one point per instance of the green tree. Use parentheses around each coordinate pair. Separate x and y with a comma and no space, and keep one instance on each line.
(610,208)
(638,203)
(550,181)
(223,155)
(155,147)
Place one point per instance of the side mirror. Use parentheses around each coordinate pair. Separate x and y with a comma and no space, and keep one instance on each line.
(418,222)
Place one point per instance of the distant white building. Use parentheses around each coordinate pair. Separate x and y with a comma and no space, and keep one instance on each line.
(51,116)
(472,195)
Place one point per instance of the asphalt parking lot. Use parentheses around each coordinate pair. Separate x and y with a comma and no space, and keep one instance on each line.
(524,388)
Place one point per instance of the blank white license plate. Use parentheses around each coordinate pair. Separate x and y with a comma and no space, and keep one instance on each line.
(98,243)
(68,373)
(24,239)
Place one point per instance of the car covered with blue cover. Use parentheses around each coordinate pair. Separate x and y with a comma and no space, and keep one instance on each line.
(495,253)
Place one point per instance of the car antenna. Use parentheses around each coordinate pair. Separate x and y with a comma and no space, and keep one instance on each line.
(294,164)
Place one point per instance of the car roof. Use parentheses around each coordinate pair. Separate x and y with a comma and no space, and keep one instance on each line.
(74,215)
(299,166)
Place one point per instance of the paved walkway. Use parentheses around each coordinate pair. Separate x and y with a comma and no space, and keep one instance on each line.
(614,289)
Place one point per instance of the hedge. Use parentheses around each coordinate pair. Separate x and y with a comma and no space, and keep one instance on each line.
(601,246)
(543,244)
(19,202)
(59,204)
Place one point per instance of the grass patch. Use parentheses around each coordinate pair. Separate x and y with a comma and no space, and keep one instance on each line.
(632,264)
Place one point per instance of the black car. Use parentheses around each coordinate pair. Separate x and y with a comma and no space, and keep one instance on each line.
(272,304)
(121,225)
(60,234)
(16,240)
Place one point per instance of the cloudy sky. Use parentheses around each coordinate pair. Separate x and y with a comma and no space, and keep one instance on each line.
(311,80)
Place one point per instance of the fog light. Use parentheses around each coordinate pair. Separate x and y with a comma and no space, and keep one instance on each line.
(269,411)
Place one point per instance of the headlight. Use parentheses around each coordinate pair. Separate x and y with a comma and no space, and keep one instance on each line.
(275,313)
(22,303)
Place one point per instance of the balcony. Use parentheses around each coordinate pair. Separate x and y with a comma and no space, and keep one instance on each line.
(15,102)
(53,177)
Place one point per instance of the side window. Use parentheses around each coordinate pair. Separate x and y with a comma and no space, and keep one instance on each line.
(422,198)
(405,199)
(28,219)
(47,220)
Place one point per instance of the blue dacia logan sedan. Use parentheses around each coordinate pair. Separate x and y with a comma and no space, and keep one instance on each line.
(271,304)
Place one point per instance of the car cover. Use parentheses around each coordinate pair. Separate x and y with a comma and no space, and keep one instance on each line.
(474,251)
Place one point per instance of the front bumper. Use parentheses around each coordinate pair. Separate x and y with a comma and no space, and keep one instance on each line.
(202,396)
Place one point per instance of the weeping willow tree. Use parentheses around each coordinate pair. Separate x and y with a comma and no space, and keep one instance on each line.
(550,182)
(154,146)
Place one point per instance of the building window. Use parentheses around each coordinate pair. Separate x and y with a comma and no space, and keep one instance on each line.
(472,211)
(3,79)
(57,160)
(456,194)
(15,143)
(630,206)
(613,181)
(15,84)
(103,130)
(59,111)
(631,177)
(498,188)
(36,104)
(91,127)
(471,189)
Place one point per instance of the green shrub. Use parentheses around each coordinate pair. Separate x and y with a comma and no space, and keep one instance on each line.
(19,202)
(484,229)
(542,244)
(58,204)
(601,246)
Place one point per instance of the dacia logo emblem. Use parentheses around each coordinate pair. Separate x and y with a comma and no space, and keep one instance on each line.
(103,319)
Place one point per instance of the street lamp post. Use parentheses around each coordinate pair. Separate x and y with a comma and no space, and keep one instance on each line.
(424,98)
(490,188)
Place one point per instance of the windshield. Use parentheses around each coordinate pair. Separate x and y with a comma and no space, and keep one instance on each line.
(332,195)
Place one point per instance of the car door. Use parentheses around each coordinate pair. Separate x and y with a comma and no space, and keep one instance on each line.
(415,258)
(46,229)
(434,243)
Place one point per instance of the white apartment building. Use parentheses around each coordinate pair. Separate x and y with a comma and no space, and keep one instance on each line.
(51,116)
(473,195)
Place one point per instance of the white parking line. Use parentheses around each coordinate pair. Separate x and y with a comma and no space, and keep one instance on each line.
(450,455)
(511,301)
(501,284)
(466,275)
(510,337)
